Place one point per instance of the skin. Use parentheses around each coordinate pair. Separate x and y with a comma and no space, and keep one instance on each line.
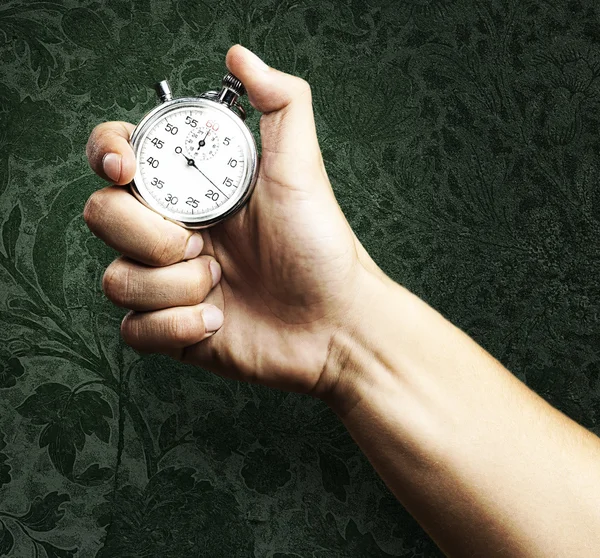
(285,295)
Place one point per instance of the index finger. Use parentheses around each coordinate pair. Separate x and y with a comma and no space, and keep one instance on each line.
(109,153)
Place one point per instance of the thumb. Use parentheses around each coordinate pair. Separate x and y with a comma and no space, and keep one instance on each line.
(287,125)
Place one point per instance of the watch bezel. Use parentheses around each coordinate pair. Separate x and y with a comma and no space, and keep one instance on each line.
(245,188)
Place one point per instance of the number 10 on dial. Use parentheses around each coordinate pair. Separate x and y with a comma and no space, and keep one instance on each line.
(196,158)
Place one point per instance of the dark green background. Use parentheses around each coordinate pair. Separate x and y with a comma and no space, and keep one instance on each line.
(462,140)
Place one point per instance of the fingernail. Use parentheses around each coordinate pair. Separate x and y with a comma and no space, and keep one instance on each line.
(193,247)
(111,163)
(255,61)
(213,318)
(215,271)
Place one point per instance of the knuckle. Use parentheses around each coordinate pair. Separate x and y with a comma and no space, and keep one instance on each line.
(94,143)
(111,281)
(92,140)
(100,132)
(104,138)
(131,330)
(89,149)
(116,283)
(94,210)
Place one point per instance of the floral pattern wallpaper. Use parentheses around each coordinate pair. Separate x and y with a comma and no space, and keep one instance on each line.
(462,138)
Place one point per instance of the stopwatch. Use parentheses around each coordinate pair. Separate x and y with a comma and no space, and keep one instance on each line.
(196,160)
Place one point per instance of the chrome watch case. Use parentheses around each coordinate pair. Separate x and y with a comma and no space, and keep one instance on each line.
(225,101)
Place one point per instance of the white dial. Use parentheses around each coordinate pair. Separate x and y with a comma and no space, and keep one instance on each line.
(195,161)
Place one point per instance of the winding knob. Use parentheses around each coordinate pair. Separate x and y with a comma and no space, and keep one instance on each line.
(233,83)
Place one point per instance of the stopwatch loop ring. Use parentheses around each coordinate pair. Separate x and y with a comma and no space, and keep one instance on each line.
(234,106)
(240,109)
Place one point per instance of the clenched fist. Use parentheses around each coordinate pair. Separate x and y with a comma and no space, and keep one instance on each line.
(260,297)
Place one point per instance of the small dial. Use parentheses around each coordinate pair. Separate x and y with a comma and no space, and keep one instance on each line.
(202,143)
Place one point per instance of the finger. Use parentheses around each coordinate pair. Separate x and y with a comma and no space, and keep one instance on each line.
(172,328)
(142,288)
(109,153)
(126,225)
(288,123)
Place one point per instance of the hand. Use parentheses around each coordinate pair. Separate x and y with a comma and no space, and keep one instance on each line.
(292,275)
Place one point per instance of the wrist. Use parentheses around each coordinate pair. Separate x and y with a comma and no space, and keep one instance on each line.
(365,351)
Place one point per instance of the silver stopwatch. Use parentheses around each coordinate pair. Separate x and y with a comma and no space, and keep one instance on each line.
(196,158)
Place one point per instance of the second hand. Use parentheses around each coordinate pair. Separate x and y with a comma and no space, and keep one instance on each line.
(192,163)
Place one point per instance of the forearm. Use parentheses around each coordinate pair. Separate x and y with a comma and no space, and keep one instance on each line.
(484,464)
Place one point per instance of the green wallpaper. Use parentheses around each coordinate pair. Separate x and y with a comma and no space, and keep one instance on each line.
(462,139)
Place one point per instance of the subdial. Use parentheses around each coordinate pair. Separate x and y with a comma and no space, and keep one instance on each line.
(202,144)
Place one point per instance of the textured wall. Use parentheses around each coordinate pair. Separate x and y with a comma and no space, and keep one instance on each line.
(462,139)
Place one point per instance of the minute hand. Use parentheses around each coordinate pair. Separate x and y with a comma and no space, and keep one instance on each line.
(196,167)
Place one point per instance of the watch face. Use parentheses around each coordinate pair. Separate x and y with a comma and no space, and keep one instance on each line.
(196,161)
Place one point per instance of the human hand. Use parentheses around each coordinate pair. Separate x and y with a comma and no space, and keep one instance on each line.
(292,274)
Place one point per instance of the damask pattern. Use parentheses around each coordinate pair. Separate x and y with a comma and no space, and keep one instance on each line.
(462,140)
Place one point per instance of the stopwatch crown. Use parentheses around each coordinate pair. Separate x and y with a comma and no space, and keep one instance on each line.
(163,91)
(233,83)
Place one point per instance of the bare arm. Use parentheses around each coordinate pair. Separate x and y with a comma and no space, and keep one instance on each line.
(484,464)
